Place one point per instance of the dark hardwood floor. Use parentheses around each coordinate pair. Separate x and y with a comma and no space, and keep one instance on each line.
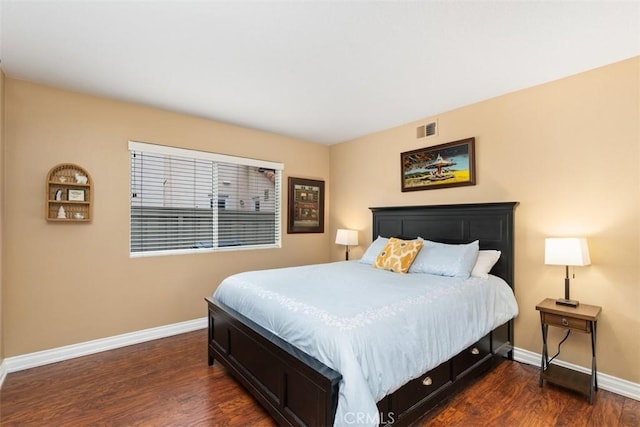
(167,382)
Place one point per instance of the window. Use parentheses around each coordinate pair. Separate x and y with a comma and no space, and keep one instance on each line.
(191,201)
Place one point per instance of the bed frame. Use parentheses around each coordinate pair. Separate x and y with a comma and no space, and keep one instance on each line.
(297,389)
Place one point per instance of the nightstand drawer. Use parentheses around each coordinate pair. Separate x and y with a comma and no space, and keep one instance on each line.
(566,322)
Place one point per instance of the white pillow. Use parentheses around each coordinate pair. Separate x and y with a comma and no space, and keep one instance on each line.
(446,260)
(371,254)
(485,262)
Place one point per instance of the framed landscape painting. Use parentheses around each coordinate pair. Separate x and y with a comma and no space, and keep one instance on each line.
(306,206)
(440,166)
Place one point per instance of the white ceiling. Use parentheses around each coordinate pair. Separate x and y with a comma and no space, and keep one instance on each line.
(322,71)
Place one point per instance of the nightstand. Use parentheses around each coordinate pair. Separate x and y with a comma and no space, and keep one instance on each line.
(583,318)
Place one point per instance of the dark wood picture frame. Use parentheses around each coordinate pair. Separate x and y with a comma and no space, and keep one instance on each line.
(306,206)
(440,166)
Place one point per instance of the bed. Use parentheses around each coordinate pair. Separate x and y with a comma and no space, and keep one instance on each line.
(298,389)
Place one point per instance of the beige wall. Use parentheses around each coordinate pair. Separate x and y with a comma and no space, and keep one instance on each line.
(568,151)
(70,283)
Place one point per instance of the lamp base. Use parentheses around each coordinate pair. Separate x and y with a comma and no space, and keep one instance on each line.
(567,302)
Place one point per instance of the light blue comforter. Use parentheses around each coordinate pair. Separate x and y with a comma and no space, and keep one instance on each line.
(378,329)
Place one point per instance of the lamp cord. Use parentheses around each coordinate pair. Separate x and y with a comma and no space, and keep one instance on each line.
(559,344)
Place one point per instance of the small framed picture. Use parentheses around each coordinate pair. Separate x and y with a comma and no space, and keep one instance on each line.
(306,206)
(75,195)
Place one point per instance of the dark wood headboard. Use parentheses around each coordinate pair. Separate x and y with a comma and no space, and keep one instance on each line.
(489,223)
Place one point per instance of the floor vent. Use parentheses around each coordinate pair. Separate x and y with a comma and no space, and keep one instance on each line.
(430,129)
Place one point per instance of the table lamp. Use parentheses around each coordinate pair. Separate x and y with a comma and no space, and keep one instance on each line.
(347,238)
(566,251)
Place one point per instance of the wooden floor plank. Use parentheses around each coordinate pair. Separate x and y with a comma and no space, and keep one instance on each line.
(167,382)
(630,413)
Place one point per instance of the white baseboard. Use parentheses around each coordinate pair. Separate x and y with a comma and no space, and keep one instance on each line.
(3,372)
(605,382)
(31,360)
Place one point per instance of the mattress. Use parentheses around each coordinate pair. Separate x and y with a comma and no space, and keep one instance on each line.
(377,328)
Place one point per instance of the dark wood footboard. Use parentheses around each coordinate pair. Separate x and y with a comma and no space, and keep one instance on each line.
(295,388)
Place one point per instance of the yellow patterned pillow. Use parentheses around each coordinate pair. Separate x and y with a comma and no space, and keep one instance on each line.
(397,255)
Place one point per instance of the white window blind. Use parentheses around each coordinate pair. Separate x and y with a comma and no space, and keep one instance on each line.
(190,201)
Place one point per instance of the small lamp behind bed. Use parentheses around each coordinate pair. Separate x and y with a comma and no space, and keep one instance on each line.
(347,238)
(566,251)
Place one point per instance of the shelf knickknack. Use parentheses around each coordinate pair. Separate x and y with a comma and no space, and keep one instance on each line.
(69,194)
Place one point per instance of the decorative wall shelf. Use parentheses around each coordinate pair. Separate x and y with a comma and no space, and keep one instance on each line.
(69,194)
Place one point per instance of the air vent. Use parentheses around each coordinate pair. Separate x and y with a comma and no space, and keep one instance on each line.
(430,129)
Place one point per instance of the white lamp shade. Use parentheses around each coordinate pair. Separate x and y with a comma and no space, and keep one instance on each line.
(347,237)
(566,251)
